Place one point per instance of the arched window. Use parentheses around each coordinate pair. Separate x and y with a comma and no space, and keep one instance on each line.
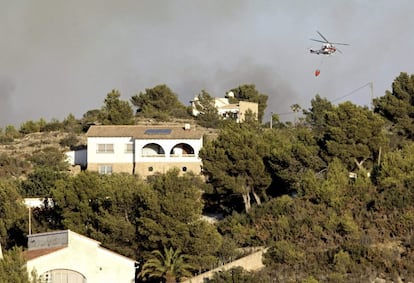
(182,149)
(62,276)
(153,149)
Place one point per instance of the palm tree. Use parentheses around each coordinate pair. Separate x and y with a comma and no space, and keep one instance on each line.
(171,265)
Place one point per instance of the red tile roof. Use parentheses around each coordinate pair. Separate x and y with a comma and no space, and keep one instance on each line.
(38,253)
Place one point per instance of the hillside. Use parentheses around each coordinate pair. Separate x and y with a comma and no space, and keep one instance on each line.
(16,155)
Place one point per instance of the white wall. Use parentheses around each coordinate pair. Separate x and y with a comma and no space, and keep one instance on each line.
(85,256)
(118,156)
(77,157)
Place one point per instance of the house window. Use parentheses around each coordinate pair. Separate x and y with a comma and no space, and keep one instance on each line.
(105,169)
(105,148)
(129,148)
(63,276)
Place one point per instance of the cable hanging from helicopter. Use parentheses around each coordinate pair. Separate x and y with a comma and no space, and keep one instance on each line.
(318,70)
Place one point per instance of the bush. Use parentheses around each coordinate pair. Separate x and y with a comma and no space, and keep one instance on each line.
(70,141)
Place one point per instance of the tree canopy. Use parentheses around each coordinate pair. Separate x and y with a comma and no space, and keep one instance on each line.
(163,223)
(159,103)
(233,163)
(116,111)
(208,116)
(347,131)
(171,265)
(397,106)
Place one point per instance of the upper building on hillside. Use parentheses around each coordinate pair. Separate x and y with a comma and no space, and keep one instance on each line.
(228,110)
(144,150)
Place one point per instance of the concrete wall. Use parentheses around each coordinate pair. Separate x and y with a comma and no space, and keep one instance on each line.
(251,262)
(143,168)
(116,167)
(245,106)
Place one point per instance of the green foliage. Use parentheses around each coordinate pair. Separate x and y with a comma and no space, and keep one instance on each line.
(100,207)
(331,190)
(72,125)
(159,103)
(89,118)
(11,131)
(171,265)
(41,181)
(12,166)
(49,157)
(53,125)
(310,279)
(351,133)
(294,152)
(12,267)
(249,93)
(29,127)
(13,215)
(70,141)
(116,111)
(9,134)
(342,262)
(395,170)
(208,116)
(283,252)
(161,222)
(235,274)
(204,244)
(316,115)
(236,227)
(233,163)
(397,106)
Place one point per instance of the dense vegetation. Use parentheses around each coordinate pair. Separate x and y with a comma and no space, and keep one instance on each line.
(330,195)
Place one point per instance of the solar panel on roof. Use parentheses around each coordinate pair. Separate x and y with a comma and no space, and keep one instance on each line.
(157,132)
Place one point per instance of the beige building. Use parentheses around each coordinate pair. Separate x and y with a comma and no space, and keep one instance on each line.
(68,257)
(228,110)
(144,150)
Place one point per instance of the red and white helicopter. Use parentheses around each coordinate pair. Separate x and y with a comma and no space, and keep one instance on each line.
(327,48)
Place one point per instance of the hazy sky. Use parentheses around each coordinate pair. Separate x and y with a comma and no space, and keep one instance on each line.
(59,57)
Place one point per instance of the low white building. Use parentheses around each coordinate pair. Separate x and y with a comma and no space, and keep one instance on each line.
(144,150)
(77,157)
(68,257)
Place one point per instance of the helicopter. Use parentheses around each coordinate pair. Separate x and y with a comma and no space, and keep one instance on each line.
(327,48)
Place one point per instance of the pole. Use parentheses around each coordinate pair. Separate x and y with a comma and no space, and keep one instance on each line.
(30,220)
(372,95)
(271,120)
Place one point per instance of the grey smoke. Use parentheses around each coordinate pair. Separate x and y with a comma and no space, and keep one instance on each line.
(61,57)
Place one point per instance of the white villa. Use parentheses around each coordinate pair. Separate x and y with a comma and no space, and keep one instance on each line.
(227,110)
(144,149)
(68,257)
